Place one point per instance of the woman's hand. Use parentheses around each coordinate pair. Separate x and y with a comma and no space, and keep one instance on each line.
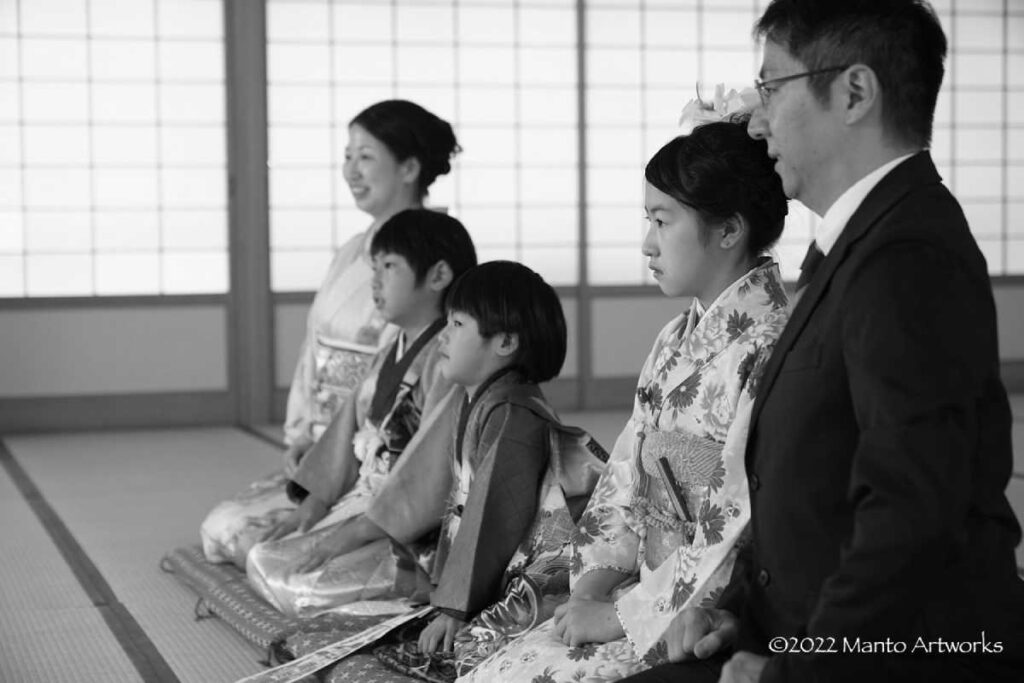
(440,634)
(586,620)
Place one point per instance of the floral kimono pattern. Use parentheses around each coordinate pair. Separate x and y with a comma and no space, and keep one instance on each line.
(344,331)
(671,509)
(369,572)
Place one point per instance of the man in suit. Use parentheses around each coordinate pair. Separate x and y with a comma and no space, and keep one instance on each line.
(879,447)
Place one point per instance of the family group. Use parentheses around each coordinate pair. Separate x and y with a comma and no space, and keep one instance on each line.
(803,467)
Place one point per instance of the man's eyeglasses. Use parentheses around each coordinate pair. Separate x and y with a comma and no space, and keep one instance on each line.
(766,88)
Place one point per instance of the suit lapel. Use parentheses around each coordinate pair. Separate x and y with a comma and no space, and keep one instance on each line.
(915,172)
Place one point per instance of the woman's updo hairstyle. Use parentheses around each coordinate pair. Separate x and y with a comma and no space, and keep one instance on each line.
(720,171)
(409,130)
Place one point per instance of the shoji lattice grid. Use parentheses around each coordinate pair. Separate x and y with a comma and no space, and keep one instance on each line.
(644,58)
(979,124)
(643,63)
(112,148)
(504,75)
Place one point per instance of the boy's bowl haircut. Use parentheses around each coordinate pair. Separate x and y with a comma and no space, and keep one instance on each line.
(424,237)
(507,297)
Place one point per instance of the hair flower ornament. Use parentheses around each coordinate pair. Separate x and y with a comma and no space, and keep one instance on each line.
(699,111)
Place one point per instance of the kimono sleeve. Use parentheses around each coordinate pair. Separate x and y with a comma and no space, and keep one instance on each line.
(412,499)
(297,422)
(503,496)
(695,575)
(330,468)
(299,416)
(608,533)
(433,387)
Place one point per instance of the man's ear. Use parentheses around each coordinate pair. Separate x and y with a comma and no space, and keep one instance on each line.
(410,170)
(439,276)
(734,231)
(508,344)
(859,91)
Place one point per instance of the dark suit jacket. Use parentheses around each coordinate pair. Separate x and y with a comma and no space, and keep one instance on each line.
(879,448)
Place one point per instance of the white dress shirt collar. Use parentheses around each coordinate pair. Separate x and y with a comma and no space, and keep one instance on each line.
(838,215)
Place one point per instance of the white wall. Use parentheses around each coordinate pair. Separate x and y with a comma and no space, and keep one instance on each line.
(74,357)
(625,327)
(89,351)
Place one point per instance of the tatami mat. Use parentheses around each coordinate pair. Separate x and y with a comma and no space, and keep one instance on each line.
(49,628)
(33,575)
(61,645)
(130,497)
(127,498)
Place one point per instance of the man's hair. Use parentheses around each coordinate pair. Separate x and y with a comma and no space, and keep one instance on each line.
(424,237)
(505,297)
(900,40)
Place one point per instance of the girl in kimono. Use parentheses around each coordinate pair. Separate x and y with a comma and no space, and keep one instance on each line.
(417,255)
(661,531)
(396,149)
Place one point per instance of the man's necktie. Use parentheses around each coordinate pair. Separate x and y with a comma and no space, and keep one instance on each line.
(811,262)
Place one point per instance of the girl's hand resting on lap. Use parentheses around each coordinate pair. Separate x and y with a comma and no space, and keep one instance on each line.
(587,620)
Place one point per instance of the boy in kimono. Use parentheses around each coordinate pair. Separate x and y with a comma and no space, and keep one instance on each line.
(417,254)
(506,333)
(506,509)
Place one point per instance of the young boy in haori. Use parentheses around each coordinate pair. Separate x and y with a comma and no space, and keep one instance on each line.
(514,465)
(417,254)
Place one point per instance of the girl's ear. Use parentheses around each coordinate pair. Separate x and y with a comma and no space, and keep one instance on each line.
(734,231)
(439,276)
(508,344)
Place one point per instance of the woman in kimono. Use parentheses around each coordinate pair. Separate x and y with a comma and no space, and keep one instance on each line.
(662,528)
(396,149)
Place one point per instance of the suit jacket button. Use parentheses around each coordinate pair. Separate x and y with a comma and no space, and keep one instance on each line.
(763,577)
(755,482)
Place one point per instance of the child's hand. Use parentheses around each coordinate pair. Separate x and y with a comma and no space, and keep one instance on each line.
(284,527)
(315,558)
(585,620)
(303,518)
(293,454)
(331,545)
(440,634)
